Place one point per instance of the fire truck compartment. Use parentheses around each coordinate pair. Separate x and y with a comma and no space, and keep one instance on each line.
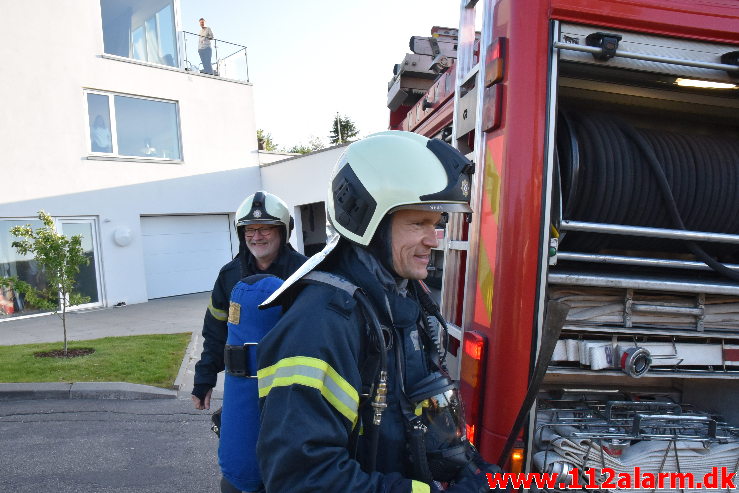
(645,251)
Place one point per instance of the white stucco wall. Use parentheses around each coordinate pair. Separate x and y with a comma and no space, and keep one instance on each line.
(301,180)
(55,55)
(267,157)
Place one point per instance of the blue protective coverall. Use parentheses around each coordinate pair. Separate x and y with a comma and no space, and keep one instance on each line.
(310,380)
(215,329)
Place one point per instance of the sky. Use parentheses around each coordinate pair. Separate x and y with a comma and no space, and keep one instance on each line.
(309,59)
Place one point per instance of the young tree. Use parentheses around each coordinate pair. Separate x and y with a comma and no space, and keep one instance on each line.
(60,258)
(342,130)
(264,139)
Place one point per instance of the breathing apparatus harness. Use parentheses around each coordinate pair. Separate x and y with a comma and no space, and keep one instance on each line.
(432,409)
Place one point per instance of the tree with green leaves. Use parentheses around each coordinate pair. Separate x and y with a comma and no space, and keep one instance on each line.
(264,139)
(60,258)
(342,130)
(314,144)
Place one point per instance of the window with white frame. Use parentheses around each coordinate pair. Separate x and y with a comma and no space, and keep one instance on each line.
(140,29)
(131,126)
(26,269)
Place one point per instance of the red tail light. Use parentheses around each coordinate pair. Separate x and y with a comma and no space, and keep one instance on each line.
(471,380)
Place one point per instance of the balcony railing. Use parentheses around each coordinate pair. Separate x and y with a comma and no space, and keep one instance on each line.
(228,59)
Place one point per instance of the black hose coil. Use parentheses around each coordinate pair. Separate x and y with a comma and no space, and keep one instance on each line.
(612,172)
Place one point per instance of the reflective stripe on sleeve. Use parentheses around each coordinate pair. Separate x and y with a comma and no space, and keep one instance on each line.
(221,315)
(314,373)
(419,487)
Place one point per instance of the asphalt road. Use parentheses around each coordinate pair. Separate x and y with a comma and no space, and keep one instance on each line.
(100,446)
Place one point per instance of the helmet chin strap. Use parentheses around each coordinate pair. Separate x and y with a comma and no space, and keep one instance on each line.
(381,245)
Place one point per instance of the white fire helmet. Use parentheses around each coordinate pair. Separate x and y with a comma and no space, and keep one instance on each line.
(381,174)
(264,208)
(394,170)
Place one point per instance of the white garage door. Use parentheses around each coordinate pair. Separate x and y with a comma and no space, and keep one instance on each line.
(183,254)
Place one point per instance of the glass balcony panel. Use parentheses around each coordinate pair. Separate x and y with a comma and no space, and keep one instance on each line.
(228,59)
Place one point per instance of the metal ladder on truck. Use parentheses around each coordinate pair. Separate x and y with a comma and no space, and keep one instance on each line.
(467,134)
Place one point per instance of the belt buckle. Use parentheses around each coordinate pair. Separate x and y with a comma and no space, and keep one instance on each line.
(246,350)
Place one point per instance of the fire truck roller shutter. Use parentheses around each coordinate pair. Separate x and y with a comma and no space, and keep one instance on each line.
(612,172)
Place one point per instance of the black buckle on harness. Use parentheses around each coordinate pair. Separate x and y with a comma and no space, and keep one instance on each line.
(731,58)
(237,359)
(608,42)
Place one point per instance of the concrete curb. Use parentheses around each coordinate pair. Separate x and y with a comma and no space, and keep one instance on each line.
(82,390)
(181,379)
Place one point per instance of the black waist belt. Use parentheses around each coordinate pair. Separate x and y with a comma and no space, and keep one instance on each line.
(238,359)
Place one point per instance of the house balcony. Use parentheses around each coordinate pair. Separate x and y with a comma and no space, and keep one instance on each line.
(144,32)
(228,59)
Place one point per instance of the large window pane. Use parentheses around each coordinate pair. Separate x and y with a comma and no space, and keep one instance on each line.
(138,43)
(167,39)
(13,264)
(147,128)
(98,112)
(87,278)
(140,29)
(138,127)
(152,40)
(116,17)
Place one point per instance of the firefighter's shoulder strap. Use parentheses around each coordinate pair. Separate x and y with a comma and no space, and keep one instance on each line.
(332,280)
(369,352)
(371,364)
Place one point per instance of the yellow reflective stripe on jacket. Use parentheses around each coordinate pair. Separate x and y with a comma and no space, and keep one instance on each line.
(218,314)
(419,487)
(419,407)
(314,373)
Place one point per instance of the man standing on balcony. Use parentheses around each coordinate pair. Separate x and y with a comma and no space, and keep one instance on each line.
(204,49)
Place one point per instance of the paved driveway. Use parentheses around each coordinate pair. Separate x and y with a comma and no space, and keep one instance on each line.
(161,316)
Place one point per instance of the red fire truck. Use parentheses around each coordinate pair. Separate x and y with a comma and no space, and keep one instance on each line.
(606,140)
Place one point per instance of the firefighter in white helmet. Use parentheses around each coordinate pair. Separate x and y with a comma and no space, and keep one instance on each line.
(353,387)
(264,224)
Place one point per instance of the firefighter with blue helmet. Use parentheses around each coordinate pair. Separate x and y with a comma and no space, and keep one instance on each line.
(263,224)
(354,393)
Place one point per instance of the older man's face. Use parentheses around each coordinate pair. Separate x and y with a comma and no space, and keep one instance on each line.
(263,241)
(413,237)
(202,22)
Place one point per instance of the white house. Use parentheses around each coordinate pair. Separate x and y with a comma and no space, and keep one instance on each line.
(302,182)
(109,126)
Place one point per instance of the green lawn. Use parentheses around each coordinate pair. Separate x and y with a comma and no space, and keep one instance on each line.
(148,359)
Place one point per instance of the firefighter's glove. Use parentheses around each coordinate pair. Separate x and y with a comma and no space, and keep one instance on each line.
(201,394)
(200,390)
(472,484)
(474,474)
